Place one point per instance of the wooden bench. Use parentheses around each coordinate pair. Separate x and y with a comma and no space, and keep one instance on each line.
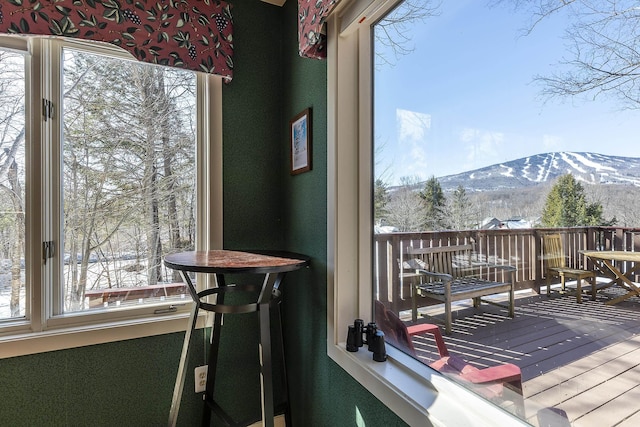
(453,273)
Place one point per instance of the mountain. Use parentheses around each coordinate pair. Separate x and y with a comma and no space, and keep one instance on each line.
(588,168)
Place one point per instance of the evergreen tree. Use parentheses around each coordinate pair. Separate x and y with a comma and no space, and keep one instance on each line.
(380,201)
(434,200)
(566,206)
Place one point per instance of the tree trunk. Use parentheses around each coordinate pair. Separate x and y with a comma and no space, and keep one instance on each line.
(18,243)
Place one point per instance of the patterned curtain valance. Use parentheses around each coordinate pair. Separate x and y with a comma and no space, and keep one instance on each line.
(191,34)
(311,17)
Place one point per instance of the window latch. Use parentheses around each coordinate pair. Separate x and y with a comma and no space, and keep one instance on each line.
(48,250)
(47,109)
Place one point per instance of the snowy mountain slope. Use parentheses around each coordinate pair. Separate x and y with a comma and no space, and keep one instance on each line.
(588,168)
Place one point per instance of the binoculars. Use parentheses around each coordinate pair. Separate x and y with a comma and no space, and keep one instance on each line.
(358,335)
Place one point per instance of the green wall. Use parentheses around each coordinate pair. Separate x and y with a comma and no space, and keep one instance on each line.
(130,383)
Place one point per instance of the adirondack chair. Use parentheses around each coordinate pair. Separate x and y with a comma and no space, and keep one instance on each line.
(557,267)
(489,382)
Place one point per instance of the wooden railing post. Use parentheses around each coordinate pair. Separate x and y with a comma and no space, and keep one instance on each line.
(395,260)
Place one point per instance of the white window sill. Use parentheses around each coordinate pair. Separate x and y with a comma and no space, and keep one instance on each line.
(25,343)
(418,394)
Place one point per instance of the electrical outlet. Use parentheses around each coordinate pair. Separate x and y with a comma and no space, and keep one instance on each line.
(201,378)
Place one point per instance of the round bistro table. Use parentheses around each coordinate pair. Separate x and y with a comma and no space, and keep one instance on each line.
(273,265)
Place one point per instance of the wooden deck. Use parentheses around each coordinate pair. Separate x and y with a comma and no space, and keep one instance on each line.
(581,358)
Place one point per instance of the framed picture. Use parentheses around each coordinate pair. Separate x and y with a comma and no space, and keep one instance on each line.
(300,142)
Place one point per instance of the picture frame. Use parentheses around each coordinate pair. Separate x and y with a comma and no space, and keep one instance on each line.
(300,142)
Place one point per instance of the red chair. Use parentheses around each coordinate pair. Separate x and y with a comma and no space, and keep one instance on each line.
(488,382)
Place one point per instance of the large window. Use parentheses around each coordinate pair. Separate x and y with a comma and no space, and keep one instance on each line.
(419,395)
(108,164)
(499,130)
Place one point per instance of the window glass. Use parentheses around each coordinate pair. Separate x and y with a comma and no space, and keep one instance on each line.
(12,184)
(128,180)
(509,133)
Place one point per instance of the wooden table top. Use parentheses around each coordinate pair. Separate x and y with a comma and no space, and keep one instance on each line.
(613,255)
(227,261)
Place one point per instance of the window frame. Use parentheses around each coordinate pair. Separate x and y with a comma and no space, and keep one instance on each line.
(42,329)
(413,391)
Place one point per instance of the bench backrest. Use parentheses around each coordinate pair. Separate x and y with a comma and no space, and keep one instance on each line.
(453,260)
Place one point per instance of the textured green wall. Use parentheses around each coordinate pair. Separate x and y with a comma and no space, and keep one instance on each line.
(321,392)
(127,383)
(130,383)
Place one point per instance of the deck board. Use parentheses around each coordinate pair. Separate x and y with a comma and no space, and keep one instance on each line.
(581,358)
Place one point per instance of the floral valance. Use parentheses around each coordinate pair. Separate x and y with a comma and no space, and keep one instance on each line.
(311,17)
(190,34)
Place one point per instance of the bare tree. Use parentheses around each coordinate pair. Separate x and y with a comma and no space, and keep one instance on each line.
(129,157)
(603,42)
(12,142)
(406,209)
(393,33)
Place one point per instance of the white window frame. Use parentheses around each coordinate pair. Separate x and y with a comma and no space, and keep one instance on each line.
(42,329)
(413,391)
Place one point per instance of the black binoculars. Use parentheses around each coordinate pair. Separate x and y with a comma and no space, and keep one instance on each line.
(358,335)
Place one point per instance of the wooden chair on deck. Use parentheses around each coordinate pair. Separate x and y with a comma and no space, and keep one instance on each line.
(557,267)
(488,382)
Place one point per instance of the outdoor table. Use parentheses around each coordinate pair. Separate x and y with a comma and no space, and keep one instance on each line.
(604,261)
(273,265)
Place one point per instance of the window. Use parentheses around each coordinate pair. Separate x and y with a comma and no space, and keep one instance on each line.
(110,172)
(128,180)
(468,100)
(416,393)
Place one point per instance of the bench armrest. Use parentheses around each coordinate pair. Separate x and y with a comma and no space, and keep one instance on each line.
(443,276)
(502,373)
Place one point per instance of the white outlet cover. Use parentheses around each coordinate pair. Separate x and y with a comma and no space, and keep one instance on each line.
(200,378)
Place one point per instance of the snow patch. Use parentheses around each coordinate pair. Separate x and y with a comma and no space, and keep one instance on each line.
(570,162)
(591,164)
(508,171)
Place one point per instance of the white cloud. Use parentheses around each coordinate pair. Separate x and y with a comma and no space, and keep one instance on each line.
(412,129)
(412,126)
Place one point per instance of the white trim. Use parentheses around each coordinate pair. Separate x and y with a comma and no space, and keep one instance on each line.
(210,210)
(14,42)
(412,390)
(79,336)
(363,12)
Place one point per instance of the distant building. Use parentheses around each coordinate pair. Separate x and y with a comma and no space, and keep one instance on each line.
(383,229)
(511,223)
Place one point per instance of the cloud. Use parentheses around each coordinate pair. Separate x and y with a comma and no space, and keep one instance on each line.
(412,130)
(412,126)
(482,147)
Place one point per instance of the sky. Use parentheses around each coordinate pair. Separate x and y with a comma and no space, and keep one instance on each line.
(465,98)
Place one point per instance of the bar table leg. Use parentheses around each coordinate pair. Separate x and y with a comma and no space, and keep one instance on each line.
(179,386)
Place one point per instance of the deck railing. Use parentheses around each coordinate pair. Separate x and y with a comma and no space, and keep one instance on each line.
(521,248)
